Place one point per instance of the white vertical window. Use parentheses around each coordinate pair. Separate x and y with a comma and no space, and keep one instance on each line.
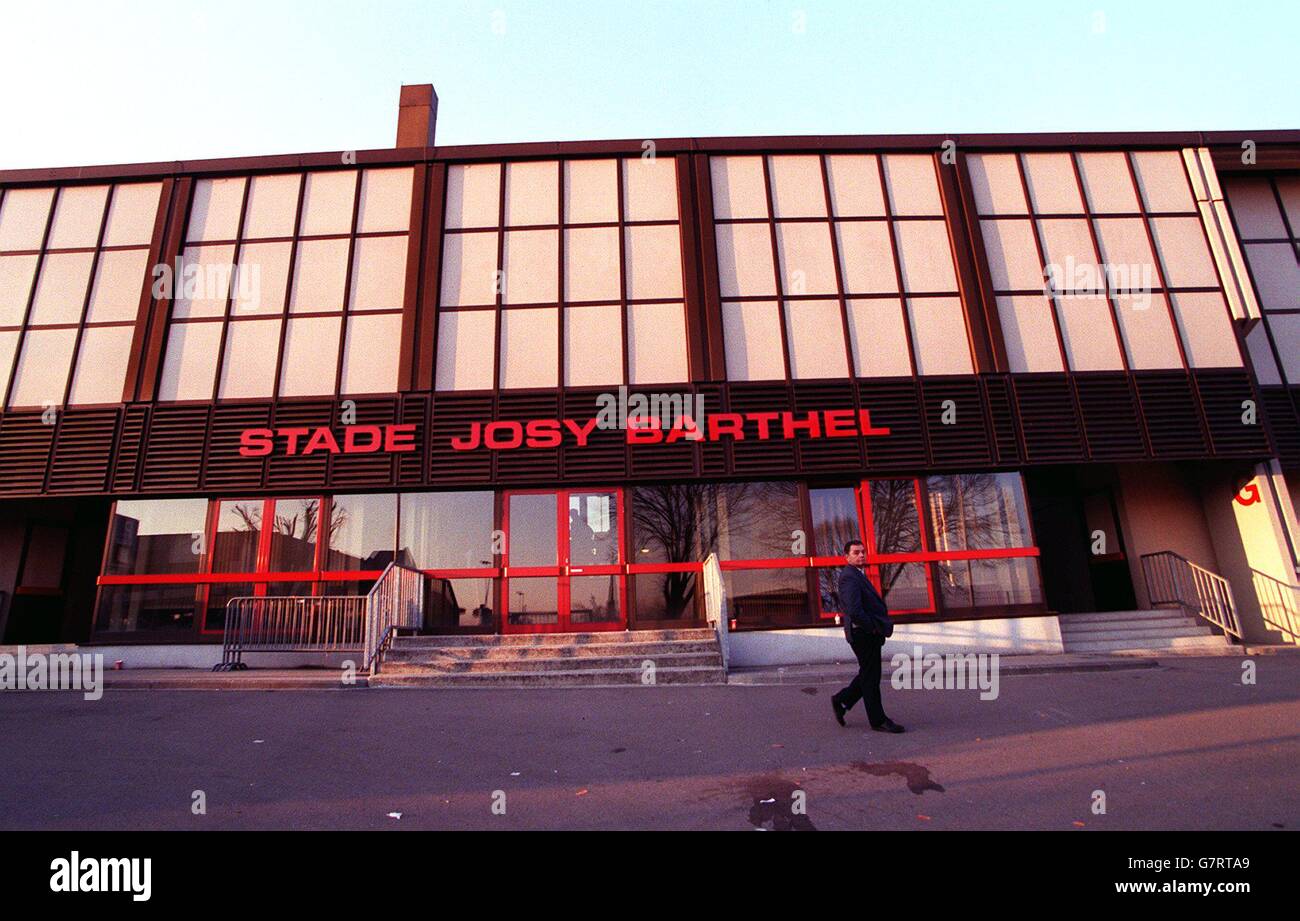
(847,229)
(315,282)
(552,271)
(68,302)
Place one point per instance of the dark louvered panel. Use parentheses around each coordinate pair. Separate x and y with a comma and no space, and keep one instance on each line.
(130,441)
(826,453)
(1280,407)
(524,464)
(83,450)
(453,417)
(363,469)
(1002,413)
(1172,418)
(173,457)
(895,404)
(1235,429)
(298,471)
(605,455)
(752,454)
(955,423)
(226,469)
(713,455)
(1110,417)
(1048,418)
(25,440)
(411,467)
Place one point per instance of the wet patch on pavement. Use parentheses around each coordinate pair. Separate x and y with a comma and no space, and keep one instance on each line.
(773,805)
(917,776)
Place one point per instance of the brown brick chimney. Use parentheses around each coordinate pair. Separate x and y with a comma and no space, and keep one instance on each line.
(417,116)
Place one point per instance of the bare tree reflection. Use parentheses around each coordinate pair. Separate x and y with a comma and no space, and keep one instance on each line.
(685,522)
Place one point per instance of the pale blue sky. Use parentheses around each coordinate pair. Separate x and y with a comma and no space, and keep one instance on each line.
(112,81)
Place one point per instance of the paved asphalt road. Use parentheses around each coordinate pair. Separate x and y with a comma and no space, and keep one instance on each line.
(1183,746)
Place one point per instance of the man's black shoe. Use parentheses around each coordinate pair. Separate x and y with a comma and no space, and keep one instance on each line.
(839,711)
(889,726)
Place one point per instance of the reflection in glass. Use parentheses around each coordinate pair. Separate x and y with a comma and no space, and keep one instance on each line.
(460,604)
(239,531)
(218,595)
(828,583)
(285,589)
(449,530)
(594,599)
(996,583)
(978,511)
(533,600)
(674,523)
(894,516)
(758,521)
(904,586)
(156,536)
(346,587)
(767,597)
(665,596)
(834,520)
(593,529)
(532,538)
(361,532)
(129,608)
(293,537)
(953,578)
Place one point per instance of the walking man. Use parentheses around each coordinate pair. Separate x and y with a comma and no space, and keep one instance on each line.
(866,626)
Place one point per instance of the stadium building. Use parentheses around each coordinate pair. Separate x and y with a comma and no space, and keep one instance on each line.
(1041,375)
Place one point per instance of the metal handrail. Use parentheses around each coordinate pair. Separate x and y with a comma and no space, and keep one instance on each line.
(1174,579)
(715,605)
(291,623)
(395,603)
(1279,601)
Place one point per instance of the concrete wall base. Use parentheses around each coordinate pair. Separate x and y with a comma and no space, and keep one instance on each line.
(1008,636)
(201,657)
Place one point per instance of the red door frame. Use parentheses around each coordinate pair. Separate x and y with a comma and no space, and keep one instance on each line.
(867,530)
(562,571)
(875,558)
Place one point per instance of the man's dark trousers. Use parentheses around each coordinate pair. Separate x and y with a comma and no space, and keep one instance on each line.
(866,685)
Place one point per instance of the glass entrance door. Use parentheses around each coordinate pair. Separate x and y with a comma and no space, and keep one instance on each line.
(564,561)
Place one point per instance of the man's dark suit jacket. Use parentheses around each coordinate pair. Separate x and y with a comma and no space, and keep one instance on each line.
(864,610)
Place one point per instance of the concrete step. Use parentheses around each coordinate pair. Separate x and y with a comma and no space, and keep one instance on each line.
(1146,623)
(689,656)
(1163,644)
(1126,617)
(1181,629)
(555,664)
(622,677)
(559,639)
(404,652)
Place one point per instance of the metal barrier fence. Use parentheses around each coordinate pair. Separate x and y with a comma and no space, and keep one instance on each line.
(332,623)
(1280,604)
(1173,579)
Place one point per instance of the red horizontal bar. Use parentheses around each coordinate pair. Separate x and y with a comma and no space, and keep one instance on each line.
(660,568)
(785,562)
(793,562)
(524,572)
(226,578)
